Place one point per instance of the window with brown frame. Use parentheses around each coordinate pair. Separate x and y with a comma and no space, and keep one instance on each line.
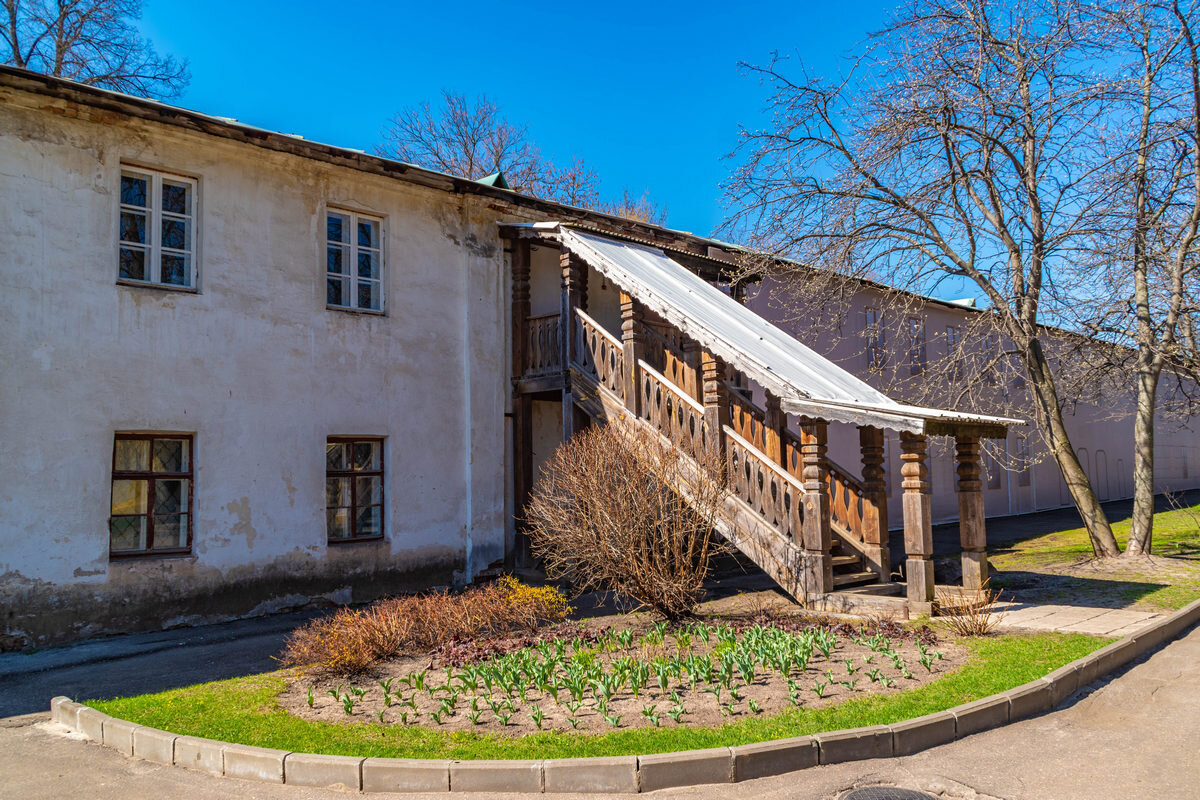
(353,489)
(151,509)
(916,346)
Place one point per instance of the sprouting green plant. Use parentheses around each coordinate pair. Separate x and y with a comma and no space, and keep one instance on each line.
(819,688)
(504,717)
(875,674)
(850,668)
(754,706)
(926,662)
(310,696)
(404,717)
(647,711)
(906,673)
(573,722)
(348,704)
(538,716)
(850,684)
(733,692)
(625,638)
(727,709)
(888,683)
(613,719)
(677,713)
(418,680)
(379,716)
(436,716)
(869,659)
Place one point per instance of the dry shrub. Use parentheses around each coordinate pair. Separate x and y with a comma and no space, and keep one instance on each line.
(628,513)
(968,612)
(350,641)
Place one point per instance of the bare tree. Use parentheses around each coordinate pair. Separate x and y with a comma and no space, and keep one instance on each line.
(90,41)
(610,512)
(1145,257)
(473,139)
(963,146)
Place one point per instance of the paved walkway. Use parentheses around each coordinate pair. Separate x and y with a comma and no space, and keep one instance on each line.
(1114,622)
(1131,737)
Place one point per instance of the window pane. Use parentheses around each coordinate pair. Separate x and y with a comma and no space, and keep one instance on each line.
(337,228)
(170,497)
(126,533)
(370,490)
(170,455)
(175,269)
(170,531)
(337,456)
(337,523)
(133,191)
(176,199)
(368,233)
(337,492)
(368,521)
(368,264)
(132,454)
(176,233)
(366,455)
(337,260)
(129,497)
(133,264)
(368,294)
(133,227)
(337,290)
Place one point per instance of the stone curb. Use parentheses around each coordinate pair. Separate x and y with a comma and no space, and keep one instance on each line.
(625,774)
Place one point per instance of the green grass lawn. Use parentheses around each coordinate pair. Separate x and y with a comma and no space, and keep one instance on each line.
(245,711)
(1049,568)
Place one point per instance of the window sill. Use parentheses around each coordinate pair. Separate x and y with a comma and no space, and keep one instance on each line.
(142,555)
(365,311)
(356,540)
(162,287)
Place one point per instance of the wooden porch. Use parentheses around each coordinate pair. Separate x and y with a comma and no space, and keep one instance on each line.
(816,529)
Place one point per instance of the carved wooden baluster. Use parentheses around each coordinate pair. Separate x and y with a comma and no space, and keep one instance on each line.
(972,528)
(716,402)
(818,564)
(874,502)
(918,526)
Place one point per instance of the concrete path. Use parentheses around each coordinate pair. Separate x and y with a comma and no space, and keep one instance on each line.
(1114,622)
(1131,737)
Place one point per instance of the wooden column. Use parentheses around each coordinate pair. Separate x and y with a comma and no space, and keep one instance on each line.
(972,530)
(633,346)
(818,540)
(715,397)
(693,381)
(918,525)
(875,512)
(774,427)
(574,295)
(516,546)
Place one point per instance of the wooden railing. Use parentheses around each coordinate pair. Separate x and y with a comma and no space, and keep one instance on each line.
(664,353)
(669,411)
(747,419)
(600,353)
(845,491)
(764,486)
(543,351)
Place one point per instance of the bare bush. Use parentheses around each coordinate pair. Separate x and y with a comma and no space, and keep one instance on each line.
(968,612)
(625,512)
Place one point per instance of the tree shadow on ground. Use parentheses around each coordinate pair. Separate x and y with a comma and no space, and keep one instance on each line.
(1043,588)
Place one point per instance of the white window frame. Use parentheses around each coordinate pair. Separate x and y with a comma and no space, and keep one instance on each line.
(154,217)
(353,248)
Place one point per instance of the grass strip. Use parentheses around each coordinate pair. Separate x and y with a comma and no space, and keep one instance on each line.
(245,711)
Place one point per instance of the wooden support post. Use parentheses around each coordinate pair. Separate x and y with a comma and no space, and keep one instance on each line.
(972,530)
(633,348)
(774,430)
(875,513)
(818,539)
(692,384)
(574,295)
(516,545)
(715,397)
(918,524)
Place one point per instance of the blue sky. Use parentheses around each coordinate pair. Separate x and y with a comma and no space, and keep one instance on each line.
(649,94)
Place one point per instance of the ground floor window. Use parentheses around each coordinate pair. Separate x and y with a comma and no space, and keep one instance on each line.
(151,509)
(353,489)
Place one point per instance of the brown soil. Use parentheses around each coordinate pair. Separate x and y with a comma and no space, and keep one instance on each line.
(768,690)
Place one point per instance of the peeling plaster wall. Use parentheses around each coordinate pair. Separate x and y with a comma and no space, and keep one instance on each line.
(253,365)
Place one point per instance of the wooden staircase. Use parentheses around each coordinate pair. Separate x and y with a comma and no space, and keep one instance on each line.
(765,461)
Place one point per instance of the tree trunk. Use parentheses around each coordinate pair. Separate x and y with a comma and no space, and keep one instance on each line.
(1141,534)
(1045,397)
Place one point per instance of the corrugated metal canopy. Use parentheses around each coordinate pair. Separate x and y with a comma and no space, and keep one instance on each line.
(807,383)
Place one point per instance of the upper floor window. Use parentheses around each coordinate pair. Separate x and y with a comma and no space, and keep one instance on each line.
(1024,463)
(954,351)
(991,357)
(157,229)
(916,346)
(876,341)
(353,262)
(151,494)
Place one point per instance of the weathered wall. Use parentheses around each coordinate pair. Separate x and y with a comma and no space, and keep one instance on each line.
(253,364)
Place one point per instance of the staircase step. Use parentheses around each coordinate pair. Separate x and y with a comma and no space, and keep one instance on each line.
(854,578)
(888,589)
(847,561)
